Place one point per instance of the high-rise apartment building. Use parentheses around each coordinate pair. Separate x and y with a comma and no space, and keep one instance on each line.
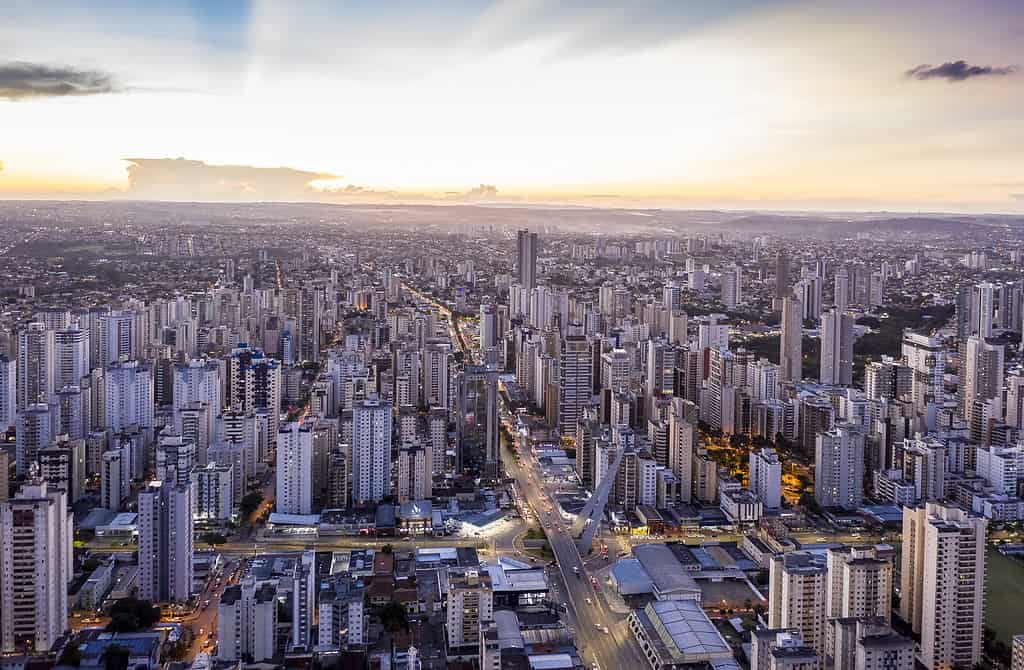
(8,392)
(34,432)
(732,286)
(35,568)
(198,381)
(295,469)
(469,603)
(371,450)
(247,622)
(118,337)
(765,477)
(128,392)
(576,381)
(791,341)
(165,542)
(942,579)
(477,449)
(798,583)
(839,467)
(526,263)
(71,357)
(36,365)
(837,348)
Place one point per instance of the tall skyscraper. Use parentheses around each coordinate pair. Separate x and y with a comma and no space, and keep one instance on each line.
(436,375)
(837,348)
(371,451)
(527,260)
(926,357)
(35,567)
(982,374)
(576,381)
(732,286)
(36,365)
(488,326)
(477,423)
(942,577)
(71,357)
(8,392)
(683,441)
(839,468)
(254,385)
(782,285)
(791,341)
(165,542)
(295,469)
(841,295)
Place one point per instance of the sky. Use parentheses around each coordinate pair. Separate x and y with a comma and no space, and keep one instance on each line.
(869,105)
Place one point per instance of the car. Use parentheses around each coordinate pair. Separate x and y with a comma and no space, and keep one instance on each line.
(593,581)
(589,601)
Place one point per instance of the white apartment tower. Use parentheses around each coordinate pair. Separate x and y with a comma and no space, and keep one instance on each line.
(118,337)
(943,583)
(765,477)
(128,389)
(35,567)
(371,451)
(798,583)
(71,357)
(295,469)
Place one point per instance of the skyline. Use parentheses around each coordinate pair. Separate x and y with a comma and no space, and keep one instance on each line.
(746,105)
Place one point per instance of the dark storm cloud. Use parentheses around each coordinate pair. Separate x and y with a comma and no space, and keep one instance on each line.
(958,71)
(20,80)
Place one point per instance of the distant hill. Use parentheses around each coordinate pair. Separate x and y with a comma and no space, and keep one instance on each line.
(802,225)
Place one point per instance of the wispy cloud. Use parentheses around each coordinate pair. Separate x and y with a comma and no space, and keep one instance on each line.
(20,80)
(958,70)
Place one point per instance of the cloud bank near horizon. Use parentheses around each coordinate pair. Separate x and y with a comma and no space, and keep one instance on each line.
(182,178)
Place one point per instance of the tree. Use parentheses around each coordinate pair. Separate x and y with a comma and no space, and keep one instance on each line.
(392,616)
(115,657)
(387,549)
(130,615)
(250,503)
(213,538)
(70,655)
